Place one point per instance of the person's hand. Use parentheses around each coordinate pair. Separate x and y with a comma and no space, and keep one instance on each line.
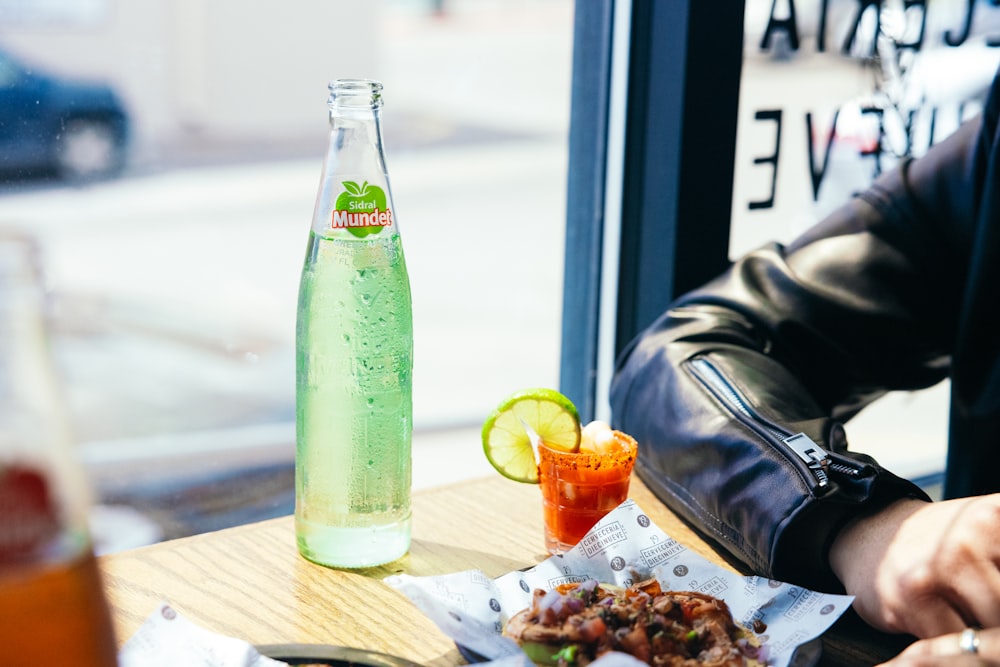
(947,650)
(926,569)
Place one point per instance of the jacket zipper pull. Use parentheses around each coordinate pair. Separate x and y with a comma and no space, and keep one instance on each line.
(812,454)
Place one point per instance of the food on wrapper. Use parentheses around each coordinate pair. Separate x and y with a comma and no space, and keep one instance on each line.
(574,624)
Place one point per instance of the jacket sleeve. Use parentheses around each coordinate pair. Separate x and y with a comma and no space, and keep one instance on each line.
(737,394)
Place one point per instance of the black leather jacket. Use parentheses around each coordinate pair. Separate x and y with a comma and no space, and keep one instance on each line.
(737,394)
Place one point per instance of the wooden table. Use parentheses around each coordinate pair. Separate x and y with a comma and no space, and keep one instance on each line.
(250,582)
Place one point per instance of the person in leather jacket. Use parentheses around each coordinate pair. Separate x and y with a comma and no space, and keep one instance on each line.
(739,392)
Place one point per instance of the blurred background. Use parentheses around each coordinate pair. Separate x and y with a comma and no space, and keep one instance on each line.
(163,156)
(173,237)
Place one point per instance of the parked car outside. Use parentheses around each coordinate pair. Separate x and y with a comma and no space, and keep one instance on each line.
(76,130)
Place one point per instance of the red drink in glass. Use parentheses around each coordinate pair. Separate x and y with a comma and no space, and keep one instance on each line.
(579,488)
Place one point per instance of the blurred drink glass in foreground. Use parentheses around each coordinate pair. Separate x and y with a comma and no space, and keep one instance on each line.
(579,488)
(52,606)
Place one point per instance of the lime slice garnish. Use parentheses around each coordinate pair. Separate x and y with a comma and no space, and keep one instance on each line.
(507,443)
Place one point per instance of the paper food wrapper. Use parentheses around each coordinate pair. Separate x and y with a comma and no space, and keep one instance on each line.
(168,639)
(624,548)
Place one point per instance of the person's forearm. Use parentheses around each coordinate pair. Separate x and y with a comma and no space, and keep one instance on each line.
(862,558)
(863,541)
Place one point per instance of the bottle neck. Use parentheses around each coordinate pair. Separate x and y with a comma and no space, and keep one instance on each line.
(354,201)
(33,417)
(356,126)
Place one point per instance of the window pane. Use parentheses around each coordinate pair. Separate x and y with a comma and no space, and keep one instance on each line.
(833,94)
(173,280)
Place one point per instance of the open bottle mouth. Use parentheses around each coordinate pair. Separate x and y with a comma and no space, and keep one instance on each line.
(366,93)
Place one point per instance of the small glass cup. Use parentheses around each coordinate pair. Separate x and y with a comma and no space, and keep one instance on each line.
(578,489)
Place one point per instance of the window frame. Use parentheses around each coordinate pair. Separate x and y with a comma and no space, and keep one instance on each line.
(649,192)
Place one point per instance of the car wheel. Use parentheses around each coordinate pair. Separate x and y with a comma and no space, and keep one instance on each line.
(88,149)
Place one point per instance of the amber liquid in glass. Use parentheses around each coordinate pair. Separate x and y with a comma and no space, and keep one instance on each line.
(55,614)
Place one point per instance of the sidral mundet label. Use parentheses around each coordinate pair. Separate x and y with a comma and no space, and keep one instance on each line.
(361,209)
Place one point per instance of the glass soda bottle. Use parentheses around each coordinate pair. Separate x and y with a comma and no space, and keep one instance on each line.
(52,606)
(354,352)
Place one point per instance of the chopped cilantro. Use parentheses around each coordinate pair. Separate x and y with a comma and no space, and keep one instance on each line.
(567,654)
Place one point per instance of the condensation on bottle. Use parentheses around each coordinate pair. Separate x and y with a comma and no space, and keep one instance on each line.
(52,605)
(354,351)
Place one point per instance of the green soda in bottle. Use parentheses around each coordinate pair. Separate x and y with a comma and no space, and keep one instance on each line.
(354,352)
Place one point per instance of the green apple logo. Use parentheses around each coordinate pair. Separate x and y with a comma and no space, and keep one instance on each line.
(364,199)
